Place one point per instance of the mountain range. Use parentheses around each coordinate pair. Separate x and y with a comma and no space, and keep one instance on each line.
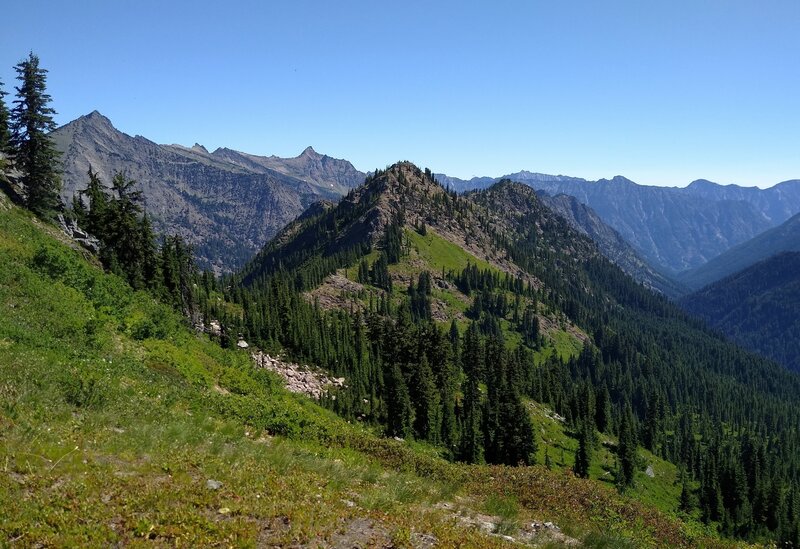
(675,229)
(783,238)
(226,204)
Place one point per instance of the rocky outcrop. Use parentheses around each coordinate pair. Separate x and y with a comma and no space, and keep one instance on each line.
(299,379)
(71,229)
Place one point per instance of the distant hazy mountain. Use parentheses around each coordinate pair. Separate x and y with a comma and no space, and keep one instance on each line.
(778,203)
(529,178)
(329,175)
(675,229)
(758,307)
(586,221)
(227,204)
(784,238)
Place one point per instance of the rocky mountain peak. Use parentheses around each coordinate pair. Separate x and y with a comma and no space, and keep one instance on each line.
(309,152)
(92,121)
(95,115)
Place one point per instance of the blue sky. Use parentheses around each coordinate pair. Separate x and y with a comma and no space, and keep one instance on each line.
(661,92)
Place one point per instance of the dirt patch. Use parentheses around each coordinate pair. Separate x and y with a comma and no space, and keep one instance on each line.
(361,533)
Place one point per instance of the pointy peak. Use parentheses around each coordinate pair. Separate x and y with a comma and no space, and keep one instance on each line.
(309,152)
(95,118)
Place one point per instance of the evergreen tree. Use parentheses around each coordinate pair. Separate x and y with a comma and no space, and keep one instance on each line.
(393,241)
(363,272)
(583,454)
(94,218)
(471,449)
(517,434)
(428,416)
(653,428)
(603,410)
(380,273)
(686,503)
(5,131)
(420,298)
(711,503)
(400,413)
(35,152)
(626,450)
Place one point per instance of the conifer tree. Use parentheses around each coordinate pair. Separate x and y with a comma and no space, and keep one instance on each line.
(472,362)
(711,503)
(602,412)
(428,416)
(363,272)
(626,450)
(583,454)
(400,413)
(5,131)
(686,503)
(35,152)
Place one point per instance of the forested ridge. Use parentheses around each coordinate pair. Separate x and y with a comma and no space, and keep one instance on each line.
(757,307)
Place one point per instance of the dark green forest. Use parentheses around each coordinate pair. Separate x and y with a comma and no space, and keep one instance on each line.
(757,308)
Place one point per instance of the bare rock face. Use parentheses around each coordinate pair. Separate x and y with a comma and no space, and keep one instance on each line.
(226,204)
(71,229)
(299,379)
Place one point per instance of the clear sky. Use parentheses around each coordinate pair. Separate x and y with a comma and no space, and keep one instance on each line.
(661,92)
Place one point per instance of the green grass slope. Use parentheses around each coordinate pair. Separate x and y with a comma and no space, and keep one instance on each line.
(115,421)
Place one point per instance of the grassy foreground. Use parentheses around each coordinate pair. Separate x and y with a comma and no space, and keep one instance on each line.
(118,425)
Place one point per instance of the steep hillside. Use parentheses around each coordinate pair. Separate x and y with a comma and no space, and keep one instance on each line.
(784,238)
(226,204)
(674,229)
(586,221)
(759,307)
(121,426)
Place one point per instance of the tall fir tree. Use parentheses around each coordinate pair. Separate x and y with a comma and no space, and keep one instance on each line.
(626,450)
(583,454)
(6,150)
(35,152)
(472,362)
